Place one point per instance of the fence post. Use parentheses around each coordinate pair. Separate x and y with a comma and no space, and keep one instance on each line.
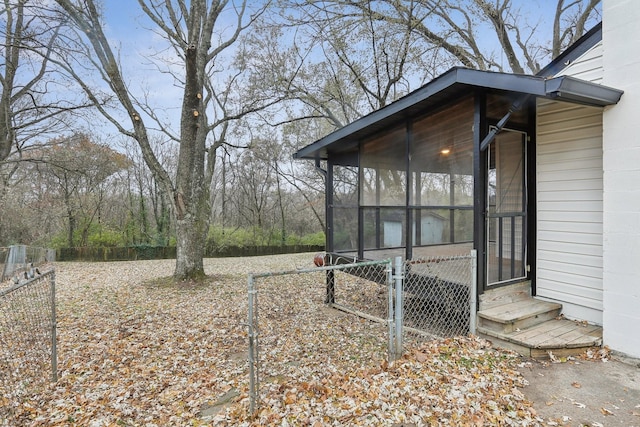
(54,339)
(252,348)
(398,307)
(390,311)
(473,308)
(331,287)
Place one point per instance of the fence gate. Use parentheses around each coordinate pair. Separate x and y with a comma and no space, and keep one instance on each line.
(289,318)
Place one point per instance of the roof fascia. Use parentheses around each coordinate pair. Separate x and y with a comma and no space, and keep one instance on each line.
(564,88)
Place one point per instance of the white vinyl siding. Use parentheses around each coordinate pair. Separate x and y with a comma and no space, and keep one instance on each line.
(588,66)
(569,193)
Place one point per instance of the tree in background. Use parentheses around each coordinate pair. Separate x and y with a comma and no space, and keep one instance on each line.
(478,34)
(64,193)
(147,220)
(199,34)
(29,114)
(81,173)
(339,60)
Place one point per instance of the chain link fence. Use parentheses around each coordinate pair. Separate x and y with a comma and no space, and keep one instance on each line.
(411,300)
(28,354)
(291,322)
(439,298)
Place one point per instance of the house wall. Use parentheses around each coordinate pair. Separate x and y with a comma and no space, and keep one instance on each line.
(621,60)
(569,208)
(588,66)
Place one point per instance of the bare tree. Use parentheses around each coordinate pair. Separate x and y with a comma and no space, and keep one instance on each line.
(28,110)
(199,38)
(463,32)
(336,62)
(149,214)
(570,22)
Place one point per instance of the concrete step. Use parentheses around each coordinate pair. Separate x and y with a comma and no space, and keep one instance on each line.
(518,315)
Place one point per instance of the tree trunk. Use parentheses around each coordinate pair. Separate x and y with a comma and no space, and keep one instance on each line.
(191,196)
(70,215)
(192,223)
(189,250)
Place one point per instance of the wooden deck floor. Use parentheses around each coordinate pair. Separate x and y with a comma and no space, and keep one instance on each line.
(512,319)
(560,337)
(560,333)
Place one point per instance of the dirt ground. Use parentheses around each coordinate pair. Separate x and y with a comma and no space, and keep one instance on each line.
(586,393)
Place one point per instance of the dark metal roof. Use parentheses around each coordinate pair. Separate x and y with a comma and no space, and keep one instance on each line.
(451,85)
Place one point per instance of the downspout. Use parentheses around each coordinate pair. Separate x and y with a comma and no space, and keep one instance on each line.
(516,106)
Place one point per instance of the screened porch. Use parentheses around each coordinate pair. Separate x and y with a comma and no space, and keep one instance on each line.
(446,169)
(378,210)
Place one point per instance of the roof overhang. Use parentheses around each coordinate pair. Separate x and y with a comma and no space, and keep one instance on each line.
(452,85)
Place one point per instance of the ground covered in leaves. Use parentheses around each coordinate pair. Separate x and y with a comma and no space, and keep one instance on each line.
(138,350)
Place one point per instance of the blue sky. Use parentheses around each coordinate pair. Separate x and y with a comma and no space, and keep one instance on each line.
(125,24)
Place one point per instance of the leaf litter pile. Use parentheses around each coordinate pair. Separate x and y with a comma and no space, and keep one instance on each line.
(136,349)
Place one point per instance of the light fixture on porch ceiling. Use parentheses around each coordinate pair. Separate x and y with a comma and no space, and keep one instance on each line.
(447,142)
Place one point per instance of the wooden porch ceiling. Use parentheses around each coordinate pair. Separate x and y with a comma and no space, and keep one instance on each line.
(450,86)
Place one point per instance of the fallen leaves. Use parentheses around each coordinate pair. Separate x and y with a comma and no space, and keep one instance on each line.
(138,354)
(455,381)
(597,353)
(605,411)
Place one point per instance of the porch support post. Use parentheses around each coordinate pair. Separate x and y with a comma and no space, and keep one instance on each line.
(479,187)
(531,222)
(473,301)
(360,235)
(328,206)
(330,279)
(408,213)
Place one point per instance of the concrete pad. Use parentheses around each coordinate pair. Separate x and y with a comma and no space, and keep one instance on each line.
(585,393)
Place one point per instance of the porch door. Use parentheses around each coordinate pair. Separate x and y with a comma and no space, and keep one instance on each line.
(506,208)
